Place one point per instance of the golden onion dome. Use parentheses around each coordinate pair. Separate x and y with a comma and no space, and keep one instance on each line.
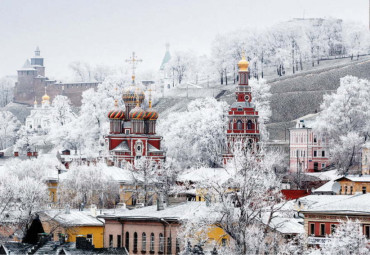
(137,113)
(132,93)
(45,97)
(243,63)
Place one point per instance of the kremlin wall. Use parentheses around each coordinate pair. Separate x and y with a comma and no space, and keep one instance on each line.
(31,83)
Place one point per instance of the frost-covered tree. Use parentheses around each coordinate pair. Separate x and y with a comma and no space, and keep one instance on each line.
(85,72)
(23,190)
(6,91)
(242,201)
(9,125)
(347,238)
(261,98)
(344,120)
(196,136)
(86,185)
(61,111)
(181,65)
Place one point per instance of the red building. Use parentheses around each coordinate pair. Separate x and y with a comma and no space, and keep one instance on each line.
(243,127)
(132,133)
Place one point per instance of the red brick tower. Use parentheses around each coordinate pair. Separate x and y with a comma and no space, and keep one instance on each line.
(243,128)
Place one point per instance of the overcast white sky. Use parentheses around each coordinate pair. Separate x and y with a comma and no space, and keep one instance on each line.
(106,32)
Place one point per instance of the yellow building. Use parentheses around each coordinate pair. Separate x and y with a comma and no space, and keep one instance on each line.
(69,224)
(352,184)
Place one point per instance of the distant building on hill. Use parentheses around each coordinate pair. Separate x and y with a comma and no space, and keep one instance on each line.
(31,82)
(308,151)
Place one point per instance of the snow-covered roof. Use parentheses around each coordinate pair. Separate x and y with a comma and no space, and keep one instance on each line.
(287,225)
(202,174)
(177,212)
(357,204)
(311,201)
(308,119)
(330,186)
(123,146)
(151,148)
(117,174)
(326,175)
(356,178)
(27,66)
(74,218)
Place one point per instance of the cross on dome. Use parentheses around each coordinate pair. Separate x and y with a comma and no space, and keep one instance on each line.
(134,61)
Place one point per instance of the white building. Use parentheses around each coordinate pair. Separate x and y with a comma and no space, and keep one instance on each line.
(39,119)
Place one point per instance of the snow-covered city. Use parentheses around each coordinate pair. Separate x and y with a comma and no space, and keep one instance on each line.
(185,127)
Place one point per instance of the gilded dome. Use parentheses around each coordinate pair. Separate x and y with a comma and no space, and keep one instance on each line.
(132,93)
(137,113)
(45,97)
(243,63)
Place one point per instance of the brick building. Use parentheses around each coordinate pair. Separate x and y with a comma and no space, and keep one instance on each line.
(309,152)
(32,81)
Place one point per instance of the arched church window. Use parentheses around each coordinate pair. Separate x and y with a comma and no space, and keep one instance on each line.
(231,124)
(249,124)
(239,125)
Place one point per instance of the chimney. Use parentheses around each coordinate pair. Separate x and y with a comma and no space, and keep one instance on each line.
(67,209)
(160,206)
(93,210)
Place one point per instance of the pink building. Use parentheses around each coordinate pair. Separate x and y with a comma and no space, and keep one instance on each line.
(149,230)
(308,151)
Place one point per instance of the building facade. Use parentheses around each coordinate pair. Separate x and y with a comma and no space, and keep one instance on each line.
(39,119)
(132,135)
(322,220)
(308,151)
(243,126)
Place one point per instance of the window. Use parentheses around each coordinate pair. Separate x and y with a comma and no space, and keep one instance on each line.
(332,228)
(315,139)
(239,125)
(110,241)
(152,242)
(127,241)
(323,153)
(169,245)
(161,243)
(249,124)
(322,166)
(177,246)
(135,242)
(363,190)
(231,125)
(351,190)
(89,237)
(312,229)
(367,231)
(345,190)
(322,229)
(127,131)
(223,242)
(119,244)
(315,153)
(143,242)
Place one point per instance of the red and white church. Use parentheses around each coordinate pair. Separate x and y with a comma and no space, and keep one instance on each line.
(243,127)
(132,133)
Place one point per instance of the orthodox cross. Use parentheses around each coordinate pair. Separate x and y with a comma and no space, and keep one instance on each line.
(133,61)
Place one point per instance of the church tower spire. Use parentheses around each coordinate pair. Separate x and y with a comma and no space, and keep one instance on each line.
(243,127)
